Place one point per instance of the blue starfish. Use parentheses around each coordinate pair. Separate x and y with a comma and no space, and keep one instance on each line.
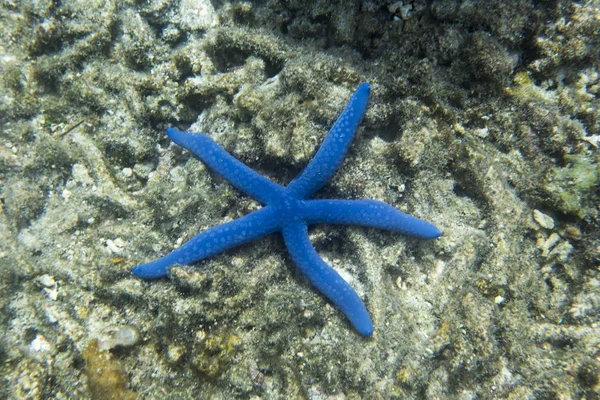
(289,210)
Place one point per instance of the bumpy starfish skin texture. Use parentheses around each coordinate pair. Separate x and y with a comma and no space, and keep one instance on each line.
(290,211)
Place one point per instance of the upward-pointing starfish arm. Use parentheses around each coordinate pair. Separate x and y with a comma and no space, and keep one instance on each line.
(237,173)
(325,279)
(334,147)
(213,241)
(370,213)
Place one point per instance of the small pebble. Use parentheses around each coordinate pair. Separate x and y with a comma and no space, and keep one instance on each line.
(543,220)
(40,344)
(127,172)
(572,232)
(481,132)
(46,280)
(175,353)
(49,286)
(548,244)
(399,282)
(66,194)
(124,336)
(115,246)
(52,293)
(127,336)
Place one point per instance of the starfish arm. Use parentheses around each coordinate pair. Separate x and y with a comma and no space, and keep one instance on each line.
(334,147)
(213,241)
(237,173)
(325,279)
(370,213)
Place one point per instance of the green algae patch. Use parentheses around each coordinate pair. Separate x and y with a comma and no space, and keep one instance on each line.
(105,375)
(572,185)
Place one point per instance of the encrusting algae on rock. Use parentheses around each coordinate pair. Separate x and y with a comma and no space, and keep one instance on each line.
(107,380)
(214,352)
